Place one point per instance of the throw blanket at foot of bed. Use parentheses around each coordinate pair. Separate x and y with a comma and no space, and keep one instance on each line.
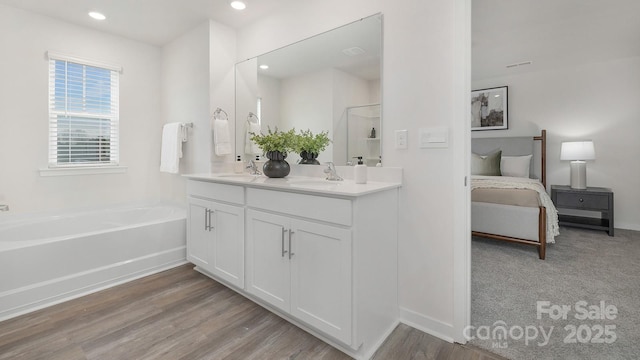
(506,182)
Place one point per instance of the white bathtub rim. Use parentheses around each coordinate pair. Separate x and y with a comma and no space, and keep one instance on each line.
(18,218)
(21,219)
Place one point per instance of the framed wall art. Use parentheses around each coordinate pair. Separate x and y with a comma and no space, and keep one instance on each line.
(489,109)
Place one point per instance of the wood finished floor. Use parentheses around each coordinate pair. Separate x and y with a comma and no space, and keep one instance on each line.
(182,314)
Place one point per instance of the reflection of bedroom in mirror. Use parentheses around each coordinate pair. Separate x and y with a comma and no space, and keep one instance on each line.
(325,83)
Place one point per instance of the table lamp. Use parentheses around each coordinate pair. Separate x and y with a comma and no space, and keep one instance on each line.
(578,152)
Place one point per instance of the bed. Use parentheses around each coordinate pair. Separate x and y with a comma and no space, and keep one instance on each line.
(510,202)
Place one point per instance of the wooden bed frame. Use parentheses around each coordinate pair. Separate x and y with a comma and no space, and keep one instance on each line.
(542,215)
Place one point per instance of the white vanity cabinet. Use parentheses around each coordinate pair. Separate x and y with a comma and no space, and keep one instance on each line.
(215,231)
(303,268)
(322,257)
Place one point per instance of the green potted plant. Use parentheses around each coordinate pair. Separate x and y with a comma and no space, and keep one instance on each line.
(275,145)
(309,145)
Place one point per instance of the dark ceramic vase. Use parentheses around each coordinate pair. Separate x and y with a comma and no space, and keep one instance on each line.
(276,166)
(309,158)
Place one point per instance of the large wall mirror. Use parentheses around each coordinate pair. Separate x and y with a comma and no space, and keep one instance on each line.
(329,82)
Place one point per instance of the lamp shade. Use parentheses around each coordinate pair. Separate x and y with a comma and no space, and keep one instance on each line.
(577,150)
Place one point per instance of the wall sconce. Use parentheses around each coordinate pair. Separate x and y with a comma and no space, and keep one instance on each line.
(578,152)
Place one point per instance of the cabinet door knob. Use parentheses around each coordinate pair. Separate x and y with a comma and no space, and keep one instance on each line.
(581,200)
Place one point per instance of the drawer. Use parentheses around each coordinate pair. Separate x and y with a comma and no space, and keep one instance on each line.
(313,207)
(582,201)
(215,191)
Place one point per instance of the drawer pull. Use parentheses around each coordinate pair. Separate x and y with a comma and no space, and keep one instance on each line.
(581,200)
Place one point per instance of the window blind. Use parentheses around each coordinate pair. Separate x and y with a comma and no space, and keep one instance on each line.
(83,114)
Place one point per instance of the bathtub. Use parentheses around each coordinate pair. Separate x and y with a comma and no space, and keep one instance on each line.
(49,258)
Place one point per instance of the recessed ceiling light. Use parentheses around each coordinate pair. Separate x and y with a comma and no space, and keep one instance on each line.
(238,5)
(97,15)
(264,66)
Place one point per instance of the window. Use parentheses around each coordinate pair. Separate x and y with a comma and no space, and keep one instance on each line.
(83,113)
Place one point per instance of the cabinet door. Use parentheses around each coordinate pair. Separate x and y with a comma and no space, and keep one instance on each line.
(321,281)
(268,270)
(199,239)
(227,257)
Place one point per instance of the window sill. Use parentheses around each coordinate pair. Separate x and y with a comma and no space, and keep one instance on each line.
(88,170)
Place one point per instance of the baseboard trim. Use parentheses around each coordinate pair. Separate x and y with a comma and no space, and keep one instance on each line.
(427,324)
(378,344)
(625,226)
(51,292)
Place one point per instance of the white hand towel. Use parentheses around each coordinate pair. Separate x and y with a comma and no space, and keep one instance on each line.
(249,146)
(221,137)
(171,151)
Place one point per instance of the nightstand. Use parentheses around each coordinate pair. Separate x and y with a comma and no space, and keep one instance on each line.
(591,199)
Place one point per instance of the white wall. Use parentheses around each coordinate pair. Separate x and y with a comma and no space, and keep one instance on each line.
(374,91)
(24,115)
(269,91)
(222,58)
(597,101)
(423,86)
(248,85)
(197,78)
(185,98)
(306,102)
(185,94)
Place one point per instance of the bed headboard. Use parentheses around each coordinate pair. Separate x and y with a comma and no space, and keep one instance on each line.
(518,146)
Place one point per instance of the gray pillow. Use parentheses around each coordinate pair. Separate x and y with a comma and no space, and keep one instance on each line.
(487,165)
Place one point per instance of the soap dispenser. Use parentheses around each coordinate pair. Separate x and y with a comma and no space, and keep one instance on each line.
(360,172)
(238,166)
(372,135)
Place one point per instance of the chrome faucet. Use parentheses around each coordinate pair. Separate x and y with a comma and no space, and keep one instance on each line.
(4,207)
(332,175)
(253,168)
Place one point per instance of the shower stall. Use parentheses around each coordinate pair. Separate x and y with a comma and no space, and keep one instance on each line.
(364,134)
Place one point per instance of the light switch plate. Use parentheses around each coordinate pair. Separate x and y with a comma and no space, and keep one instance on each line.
(402,138)
(435,137)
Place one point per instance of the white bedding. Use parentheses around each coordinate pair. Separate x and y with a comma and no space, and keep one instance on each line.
(506,182)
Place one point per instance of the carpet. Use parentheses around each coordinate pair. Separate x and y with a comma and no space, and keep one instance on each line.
(582,302)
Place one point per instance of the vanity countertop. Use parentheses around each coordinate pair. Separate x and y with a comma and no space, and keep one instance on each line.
(300,184)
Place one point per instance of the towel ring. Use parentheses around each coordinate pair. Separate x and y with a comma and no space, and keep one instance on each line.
(217,113)
(252,115)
